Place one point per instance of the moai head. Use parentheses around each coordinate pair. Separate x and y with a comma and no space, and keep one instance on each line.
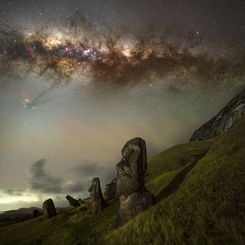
(132,167)
(72,201)
(49,210)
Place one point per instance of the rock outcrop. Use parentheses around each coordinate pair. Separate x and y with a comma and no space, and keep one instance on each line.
(110,193)
(223,121)
(49,210)
(72,201)
(96,197)
(134,198)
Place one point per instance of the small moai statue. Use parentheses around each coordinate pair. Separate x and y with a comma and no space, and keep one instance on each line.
(72,201)
(49,210)
(97,200)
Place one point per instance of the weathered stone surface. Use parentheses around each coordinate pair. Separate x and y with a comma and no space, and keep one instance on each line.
(223,121)
(134,198)
(49,210)
(96,197)
(110,193)
(132,167)
(72,201)
(134,204)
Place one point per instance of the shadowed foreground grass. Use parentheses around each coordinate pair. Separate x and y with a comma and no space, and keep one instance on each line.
(198,203)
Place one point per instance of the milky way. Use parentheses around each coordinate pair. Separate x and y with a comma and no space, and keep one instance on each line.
(116,58)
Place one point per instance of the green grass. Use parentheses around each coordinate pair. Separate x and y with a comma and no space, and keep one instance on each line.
(207,208)
(198,203)
(69,227)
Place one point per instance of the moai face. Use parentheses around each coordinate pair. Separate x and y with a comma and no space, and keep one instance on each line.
(132,167)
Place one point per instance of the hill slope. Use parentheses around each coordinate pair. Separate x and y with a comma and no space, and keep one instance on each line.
(200,201)
(207,207)
(223,121)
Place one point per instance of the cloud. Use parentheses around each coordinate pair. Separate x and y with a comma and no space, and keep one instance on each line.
(87,169)
(43,182)
(75,187)
(43,185)
(16,198)
(13,192)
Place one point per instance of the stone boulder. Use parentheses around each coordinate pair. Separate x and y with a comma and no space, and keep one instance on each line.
(72,201)
(49,210)
(134,198)
(96,197)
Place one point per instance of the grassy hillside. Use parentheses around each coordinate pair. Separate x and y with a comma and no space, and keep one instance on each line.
(199,202)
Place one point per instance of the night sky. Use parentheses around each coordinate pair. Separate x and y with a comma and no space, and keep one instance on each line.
(80,78)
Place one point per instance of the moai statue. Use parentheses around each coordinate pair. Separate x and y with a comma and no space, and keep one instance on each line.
(72,201)
(49,210)
(134,198)
(36,213)
(110,193)
(97,200)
